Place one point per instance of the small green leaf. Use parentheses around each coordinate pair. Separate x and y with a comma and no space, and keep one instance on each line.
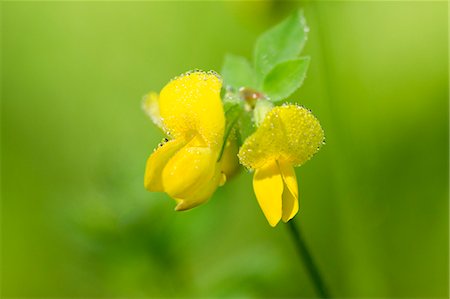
(232,114)
(283,42)
(285,79)
(237,72)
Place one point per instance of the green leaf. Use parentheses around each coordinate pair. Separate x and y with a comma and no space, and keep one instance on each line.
(237,72)
(283,42)
(232,114)
(285,78)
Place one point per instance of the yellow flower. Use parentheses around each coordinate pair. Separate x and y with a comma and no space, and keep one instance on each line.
(190,111)
(288,136)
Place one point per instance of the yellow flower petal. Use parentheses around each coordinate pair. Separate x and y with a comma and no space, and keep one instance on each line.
(203,193)
(268,187)
(188,170)
(157,161)
(290,191)
(151,108)
(191,104)
(289,133)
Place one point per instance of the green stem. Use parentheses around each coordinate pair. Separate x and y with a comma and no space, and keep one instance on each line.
(311,267)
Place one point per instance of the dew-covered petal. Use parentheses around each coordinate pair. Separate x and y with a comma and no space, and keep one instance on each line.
(157,161)
(290,133)
(268,187)
(188,170)
(191,104)
(290,191)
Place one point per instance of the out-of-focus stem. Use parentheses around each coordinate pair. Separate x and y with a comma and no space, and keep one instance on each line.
(311,267)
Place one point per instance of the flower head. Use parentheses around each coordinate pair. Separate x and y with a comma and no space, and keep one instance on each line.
(186,167)
(288,136)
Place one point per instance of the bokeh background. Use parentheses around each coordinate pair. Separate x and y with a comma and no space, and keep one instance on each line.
(77,222)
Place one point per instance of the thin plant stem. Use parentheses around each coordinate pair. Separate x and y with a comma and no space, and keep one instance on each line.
(305,254)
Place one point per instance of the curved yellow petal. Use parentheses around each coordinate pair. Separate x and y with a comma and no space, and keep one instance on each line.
(268,187)
(290,191)
(290,133)
(188,170)
(157,161)
(191,104)
(202,194)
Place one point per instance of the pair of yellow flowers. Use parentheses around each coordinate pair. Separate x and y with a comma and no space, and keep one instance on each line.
(190,111)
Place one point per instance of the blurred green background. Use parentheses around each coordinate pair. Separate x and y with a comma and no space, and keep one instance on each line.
(77,222)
